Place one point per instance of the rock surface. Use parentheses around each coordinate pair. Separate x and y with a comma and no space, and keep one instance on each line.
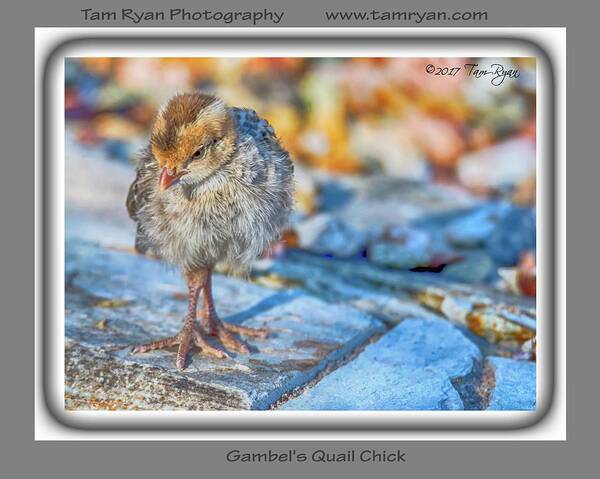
(410,368)
(513,235)
(115,299)
(498,317)
(472,267)
(499,166)
(472,229)
(436,338)
(407,248)
(326,234)
(514,385)
(375,203)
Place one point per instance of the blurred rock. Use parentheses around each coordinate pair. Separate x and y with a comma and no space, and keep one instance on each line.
(411,73)
(140,302)
(514,235)
(527,78)
(440,140)
(501,323)
(96,187)
(482,92)
(501,319)
(501,109)
(472,229)
(390,147)
(286,121)
(365,87)
(339,115)
(527,277)
(157,79)
(514,385)
(113,127)
(410,368)
(509,280)
(405,249)
(506,116)
(522,278)
(103,229)
(121,150)
(528,350)
(326,234)
(75,109)
(376,203)
(388,306)
(117,149)
(525,192)
(334,193)
(325,139)
(472,267)
(99,66)
(500,166)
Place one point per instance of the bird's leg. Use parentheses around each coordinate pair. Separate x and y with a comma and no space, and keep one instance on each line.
(215,327)
(189,334)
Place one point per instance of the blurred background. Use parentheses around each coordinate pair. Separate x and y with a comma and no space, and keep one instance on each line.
(394,165)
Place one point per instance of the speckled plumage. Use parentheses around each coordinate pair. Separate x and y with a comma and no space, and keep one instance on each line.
(231,216)
(213,187)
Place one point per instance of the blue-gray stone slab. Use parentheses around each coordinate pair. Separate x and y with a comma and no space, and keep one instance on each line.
(333,286)
(471,229)
(409,368)
(515,388)
(116,299)
(395,295)
(514,234)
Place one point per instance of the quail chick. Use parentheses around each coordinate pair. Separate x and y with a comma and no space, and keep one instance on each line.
(213,187)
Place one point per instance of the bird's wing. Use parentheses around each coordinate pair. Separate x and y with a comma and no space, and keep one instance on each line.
(139,190)
(139,193)
(249,123)
(269,163)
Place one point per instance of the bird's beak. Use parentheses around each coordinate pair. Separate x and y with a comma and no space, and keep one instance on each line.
(167,179)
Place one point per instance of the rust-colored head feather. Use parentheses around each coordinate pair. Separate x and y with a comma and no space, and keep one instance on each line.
(186,124)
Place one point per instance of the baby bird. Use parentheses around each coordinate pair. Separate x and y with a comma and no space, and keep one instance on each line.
(213,187)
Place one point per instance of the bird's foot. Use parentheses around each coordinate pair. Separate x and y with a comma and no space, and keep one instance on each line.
(185,339)
(223,332)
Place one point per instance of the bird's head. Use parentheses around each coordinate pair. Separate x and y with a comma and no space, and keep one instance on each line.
(193,137)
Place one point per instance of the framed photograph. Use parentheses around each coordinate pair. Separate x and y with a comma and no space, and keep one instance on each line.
(292,231)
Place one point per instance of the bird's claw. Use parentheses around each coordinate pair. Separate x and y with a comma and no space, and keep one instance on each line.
(208,348)
(223,331)
(185,339)
(193,336)
(246,331)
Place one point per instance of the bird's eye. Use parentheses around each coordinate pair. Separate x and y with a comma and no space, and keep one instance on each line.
(198,152)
